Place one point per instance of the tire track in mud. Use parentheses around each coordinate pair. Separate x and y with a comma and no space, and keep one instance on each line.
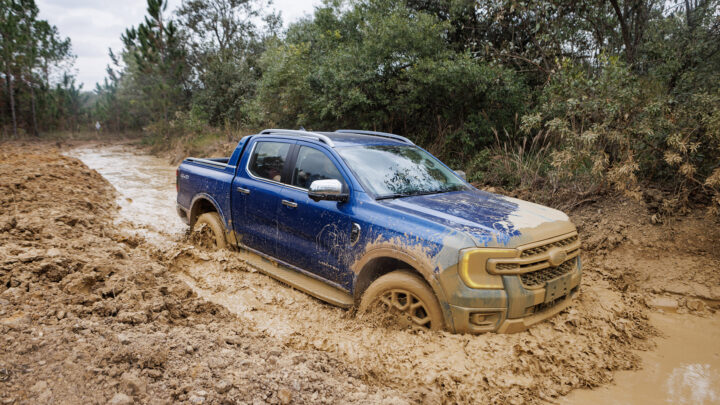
(578,348)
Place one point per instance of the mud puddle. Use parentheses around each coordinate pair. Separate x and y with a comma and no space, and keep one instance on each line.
(582,347)
(146,189)
(685,368)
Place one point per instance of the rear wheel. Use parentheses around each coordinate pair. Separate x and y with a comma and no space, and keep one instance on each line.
(407,297)
(209,231)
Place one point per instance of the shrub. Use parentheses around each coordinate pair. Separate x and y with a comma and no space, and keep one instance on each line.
(609,125)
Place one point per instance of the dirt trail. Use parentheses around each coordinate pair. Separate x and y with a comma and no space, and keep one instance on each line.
(89,315)
(261,327)
(592,339)
(145,186)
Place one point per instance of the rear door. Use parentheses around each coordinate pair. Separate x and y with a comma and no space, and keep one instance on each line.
(256,194)
(315,236)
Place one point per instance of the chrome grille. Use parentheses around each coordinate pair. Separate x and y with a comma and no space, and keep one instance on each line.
(538,278)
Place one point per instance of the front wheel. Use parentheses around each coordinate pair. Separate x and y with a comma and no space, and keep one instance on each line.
(405,295)
(209,231)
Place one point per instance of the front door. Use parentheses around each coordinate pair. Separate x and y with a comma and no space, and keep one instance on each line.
(315,236)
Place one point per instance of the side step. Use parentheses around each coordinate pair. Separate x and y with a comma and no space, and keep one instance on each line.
(296,279)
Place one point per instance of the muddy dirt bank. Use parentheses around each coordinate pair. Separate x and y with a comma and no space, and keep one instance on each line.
(88,314)
(120,302)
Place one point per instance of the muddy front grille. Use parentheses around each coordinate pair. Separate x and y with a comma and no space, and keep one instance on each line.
(537,279)
(539,256)
(544,248)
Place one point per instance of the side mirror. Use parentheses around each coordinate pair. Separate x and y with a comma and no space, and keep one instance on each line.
(328,189)
(461,174)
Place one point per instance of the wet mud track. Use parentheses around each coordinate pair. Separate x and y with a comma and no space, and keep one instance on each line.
(579,348)
(248,338)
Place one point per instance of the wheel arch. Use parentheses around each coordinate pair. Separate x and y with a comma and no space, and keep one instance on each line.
(383,260)
(201,204)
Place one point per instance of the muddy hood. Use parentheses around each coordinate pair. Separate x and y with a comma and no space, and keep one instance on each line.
(490,219)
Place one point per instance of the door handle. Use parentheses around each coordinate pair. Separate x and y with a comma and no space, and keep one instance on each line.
(243,190)
(289,204)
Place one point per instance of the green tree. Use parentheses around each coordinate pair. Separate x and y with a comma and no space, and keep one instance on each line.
(156,51)
(29,49)
(224,43)
(381,65)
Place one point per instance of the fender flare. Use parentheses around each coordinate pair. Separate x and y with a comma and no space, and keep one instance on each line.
(192,217)
(423,267)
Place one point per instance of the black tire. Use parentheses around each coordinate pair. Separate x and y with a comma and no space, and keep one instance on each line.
(210,232)
(407,295)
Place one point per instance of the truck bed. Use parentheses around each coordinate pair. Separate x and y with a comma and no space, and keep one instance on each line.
(217,162)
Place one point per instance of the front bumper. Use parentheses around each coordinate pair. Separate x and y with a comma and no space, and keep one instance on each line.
(513,309)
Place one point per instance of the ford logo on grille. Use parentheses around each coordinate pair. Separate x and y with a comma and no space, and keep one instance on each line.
(556,256)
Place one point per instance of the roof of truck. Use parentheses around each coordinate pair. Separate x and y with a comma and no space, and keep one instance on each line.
(343,138)
(353,139)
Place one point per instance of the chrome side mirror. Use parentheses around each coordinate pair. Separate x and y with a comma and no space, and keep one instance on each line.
(328,189)
(461,174)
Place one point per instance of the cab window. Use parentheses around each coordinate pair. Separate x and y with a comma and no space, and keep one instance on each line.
(311,165)
(268,159)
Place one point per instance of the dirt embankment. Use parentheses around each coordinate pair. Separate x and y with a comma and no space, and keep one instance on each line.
(88,311)
(674,265)
(89,314)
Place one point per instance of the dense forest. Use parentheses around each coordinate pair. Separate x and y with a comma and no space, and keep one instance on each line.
(573,95)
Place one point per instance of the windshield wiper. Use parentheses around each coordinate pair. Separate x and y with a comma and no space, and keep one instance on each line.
(429,192)
(400,195)
(394,195)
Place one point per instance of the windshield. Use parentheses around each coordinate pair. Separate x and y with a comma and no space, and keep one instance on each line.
(390,171)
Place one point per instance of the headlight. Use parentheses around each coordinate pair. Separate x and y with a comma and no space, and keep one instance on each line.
(473,264)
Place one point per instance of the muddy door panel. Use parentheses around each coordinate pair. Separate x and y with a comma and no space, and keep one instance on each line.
(255,209)
(315,236)
(256,194)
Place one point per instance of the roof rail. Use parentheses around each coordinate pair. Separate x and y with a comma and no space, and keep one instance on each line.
(382,134)
(320,137)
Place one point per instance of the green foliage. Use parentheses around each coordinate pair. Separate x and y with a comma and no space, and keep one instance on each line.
(30,51)
(615,126)
(224,44)
(383,66)
(155,56)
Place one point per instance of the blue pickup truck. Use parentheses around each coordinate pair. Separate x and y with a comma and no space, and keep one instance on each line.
(369,220)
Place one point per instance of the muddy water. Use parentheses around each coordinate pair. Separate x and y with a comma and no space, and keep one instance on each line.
(146,189)
(683,369)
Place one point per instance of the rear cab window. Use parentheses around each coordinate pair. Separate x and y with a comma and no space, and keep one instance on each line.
(268,160)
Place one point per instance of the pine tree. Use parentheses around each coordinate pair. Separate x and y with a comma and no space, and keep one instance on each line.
(157,52)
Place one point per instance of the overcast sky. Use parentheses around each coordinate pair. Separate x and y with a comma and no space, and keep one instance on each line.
(95,25)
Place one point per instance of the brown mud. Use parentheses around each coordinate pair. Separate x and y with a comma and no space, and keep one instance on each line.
(89,314)
(683,369)
(91,309)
